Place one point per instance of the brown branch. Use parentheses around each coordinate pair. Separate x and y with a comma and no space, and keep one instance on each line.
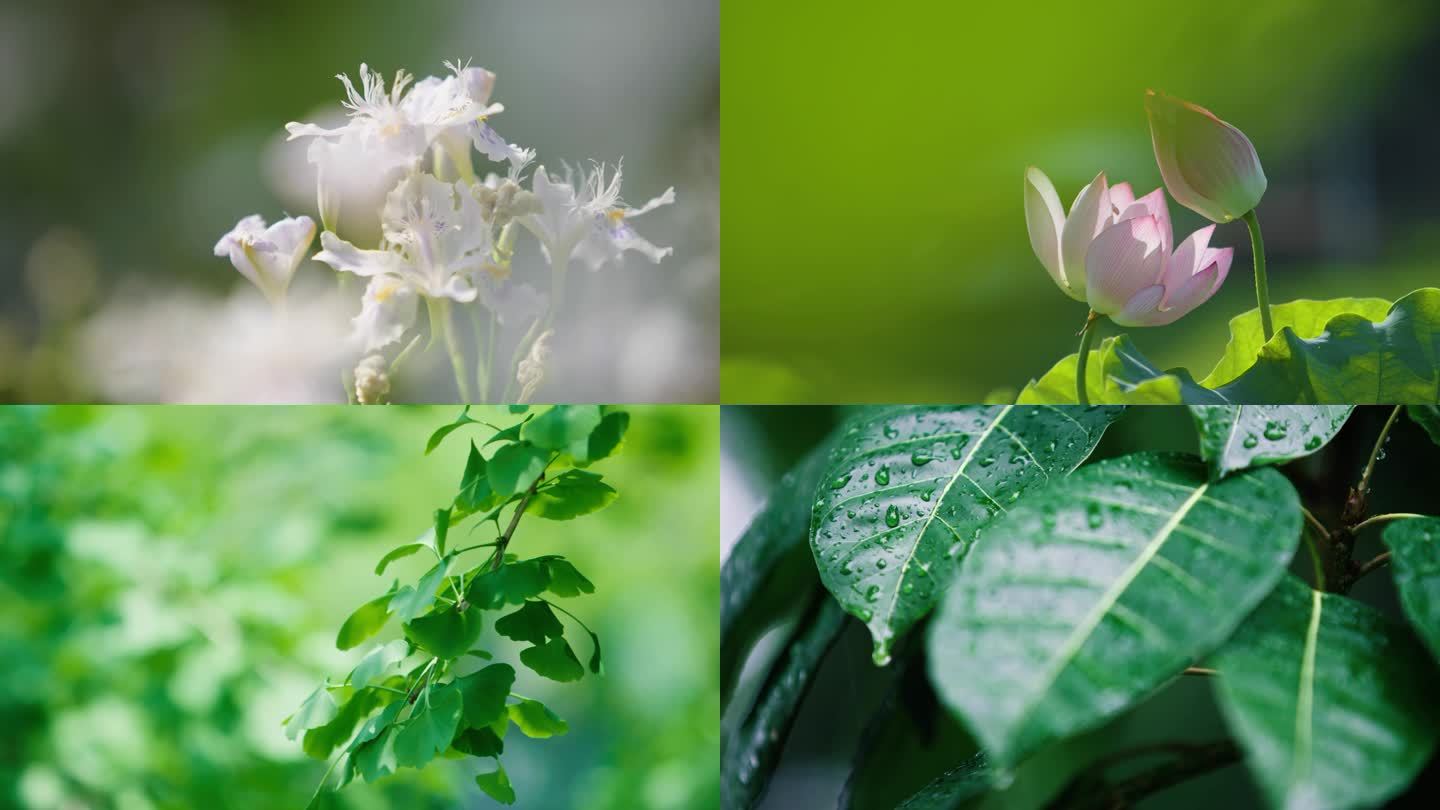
(1371,565)
(504,540)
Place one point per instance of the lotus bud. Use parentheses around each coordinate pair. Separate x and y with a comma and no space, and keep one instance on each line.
(1209,166)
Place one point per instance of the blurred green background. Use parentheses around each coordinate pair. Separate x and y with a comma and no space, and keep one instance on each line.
(917,739)
(172,580)
(135,133)
(876,246)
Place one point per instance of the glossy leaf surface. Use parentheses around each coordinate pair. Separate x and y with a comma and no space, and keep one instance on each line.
(1236,437)
(1330,700)
(1415,557)
(907,488)
(1099,588)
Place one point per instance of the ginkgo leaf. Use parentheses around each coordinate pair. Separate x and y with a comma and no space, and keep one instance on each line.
(1329,699)
(411,601)
(510,584)
(447,632)
(573,493)
(365,622)
(430,728)
(399,552)
(533,623)
(317,710)
(377,662)
(554,660)
(907,487)
(1415,556)
(515,467)
(535,719)
(562,425)
(496,785)
(1097,589)
(484,693)
(1237,437)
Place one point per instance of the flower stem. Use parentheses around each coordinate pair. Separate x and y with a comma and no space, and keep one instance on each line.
(1087,336)
(1262,286)
(440,322)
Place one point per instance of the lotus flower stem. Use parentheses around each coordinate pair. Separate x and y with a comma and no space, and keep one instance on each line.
(1262,286)
(1087,336)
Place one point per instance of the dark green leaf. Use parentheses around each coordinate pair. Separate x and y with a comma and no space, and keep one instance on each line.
(475,493)
(377,662)
(603,441)
(317,710)
(1331,702)
(448,633)
(748,757)
(554,660)
(484,693)
(479,742)
(908,486)
(496,785)
(1428,417)
(565,579)
(442,528)
(535,719)
(510,584)
(1237,437)
(430,728)
(753,587)
(1415,555)
(321,741)
(533,623)
(410,602)
(518,408)
(399,552)
(1097,589)
(559,427)
(365,622)
(573,493)
(968,780)
(515,467)
(374,726)
(439,435)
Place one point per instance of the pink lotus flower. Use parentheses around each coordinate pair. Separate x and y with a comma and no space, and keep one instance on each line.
(1116,253)
(1209,166)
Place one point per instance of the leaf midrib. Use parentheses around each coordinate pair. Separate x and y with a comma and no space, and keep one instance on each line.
(1305,698)
(1109,599)
(939,502)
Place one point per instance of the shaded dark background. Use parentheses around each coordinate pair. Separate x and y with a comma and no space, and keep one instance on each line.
(134,133)
(920,739)
(880,254)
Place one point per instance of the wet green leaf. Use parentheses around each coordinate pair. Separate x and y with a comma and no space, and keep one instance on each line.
(554,660)
(572,494)
(1415,557)
(447,632)
(907,487)
(533,623)
(484,693)
(365,622)
(968,780)
(430,728)
(496,785)
(562,425)
(1237,437)
(1092,592)
(534,719)
(515,467)
(377,758)
(1330,701)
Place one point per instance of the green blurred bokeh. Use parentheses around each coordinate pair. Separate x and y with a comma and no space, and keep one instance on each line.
(876,246)
(172,580)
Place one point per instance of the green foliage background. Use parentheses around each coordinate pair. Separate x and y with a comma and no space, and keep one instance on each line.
(875,244)
(172,579)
